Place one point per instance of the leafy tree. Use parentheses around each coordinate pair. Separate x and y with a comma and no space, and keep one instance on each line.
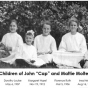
(31,14)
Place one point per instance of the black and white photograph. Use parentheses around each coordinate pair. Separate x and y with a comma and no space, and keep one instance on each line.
(43,44)
(44,34)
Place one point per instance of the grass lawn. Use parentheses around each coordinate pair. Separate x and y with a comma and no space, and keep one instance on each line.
(49,65)
(24,65)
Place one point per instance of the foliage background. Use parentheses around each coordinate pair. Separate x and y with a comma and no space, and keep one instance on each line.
(31,14)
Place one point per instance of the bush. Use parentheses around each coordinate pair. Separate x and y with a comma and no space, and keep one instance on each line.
(31,14)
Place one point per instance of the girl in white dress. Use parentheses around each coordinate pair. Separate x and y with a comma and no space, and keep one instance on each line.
(12,40)
(45,43)
(28,51)
(72,47)
(73,41)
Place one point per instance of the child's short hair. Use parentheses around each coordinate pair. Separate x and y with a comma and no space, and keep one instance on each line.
(13,20)
(46,22)
(73,19)
(30,33)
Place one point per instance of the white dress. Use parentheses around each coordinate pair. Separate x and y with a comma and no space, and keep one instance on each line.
(12,40)
(75,43)
(45,43)
(71,50)
(27,53)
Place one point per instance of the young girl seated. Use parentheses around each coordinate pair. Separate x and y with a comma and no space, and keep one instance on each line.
(72,47)
(73,41)
(28,51)
(45,43)
(12,40)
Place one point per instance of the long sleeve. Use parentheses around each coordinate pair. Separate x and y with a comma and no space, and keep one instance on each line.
(19,44)
(53,46)
(35,43)
(34,56)
(86,55)
(3,39)
(18,50)
(83,45)
(62,46)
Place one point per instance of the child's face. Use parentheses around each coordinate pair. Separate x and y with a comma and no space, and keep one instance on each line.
(29,39)
(13,27)
(73,27)
(46,29)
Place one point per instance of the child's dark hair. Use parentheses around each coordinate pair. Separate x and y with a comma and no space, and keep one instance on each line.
(46,22)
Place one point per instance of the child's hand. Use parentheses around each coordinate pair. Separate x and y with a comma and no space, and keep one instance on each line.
(48,52)
(2,46)
(75,51)
(32,61)
(85,65)
(9,48)
(40,53)
(43,53)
